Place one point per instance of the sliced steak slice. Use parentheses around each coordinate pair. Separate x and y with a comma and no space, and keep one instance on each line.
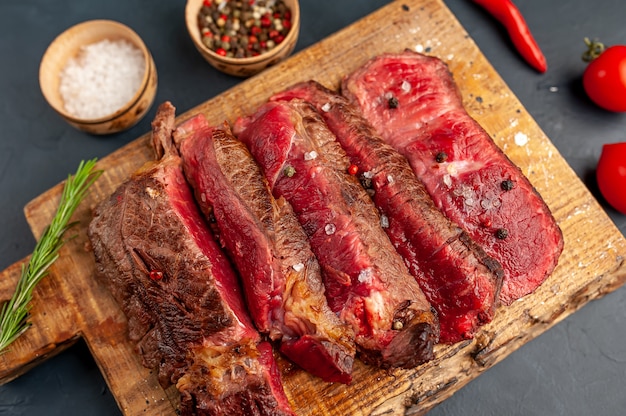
(281,276)
(366,281)
(459,279)
(415,105)
(179,292)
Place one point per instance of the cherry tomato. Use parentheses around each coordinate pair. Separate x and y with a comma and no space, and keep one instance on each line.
(611,175)
(604,79)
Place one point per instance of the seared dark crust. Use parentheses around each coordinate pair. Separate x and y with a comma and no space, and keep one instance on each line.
(179,292)
(165,317)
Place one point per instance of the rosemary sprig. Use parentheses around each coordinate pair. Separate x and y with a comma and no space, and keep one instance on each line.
(14,315)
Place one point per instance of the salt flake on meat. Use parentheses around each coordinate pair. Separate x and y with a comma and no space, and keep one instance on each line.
(365,275)
(384,221)
(330,229)
(298,267)
(310,155)
(452,170)
(152,192)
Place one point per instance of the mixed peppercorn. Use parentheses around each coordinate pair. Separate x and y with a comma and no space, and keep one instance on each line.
(243,28)
(506,185)
(156,274)
(441,157)
(392,102)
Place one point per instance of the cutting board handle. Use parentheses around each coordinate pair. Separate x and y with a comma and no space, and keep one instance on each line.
(52,330)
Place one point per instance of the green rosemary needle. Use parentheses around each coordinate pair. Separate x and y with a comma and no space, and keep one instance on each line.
(14,315)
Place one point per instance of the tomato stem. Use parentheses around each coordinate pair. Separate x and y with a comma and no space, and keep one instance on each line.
(594,49)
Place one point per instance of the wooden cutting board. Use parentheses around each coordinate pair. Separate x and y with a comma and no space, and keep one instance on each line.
(70,303)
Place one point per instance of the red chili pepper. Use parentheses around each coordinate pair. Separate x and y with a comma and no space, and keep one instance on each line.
(353,170)
(509,15)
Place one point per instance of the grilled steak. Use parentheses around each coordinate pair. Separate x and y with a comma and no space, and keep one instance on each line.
(281,276)
(366,281)
(183,303)
(414,104)
(457,276)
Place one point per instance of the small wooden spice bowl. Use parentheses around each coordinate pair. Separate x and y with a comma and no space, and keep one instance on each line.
(246,66)
(68,45)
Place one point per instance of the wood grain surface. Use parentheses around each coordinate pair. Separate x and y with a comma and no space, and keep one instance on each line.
(70,303)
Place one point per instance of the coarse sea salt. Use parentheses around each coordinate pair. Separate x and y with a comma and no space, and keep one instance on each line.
(365,275)
(384,221)
(310,155)
(102,78)
(520,139)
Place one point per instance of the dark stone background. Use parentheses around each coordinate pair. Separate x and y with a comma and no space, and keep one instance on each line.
(576,368)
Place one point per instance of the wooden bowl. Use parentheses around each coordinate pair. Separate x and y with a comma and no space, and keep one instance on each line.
(243,67)
(67,45)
